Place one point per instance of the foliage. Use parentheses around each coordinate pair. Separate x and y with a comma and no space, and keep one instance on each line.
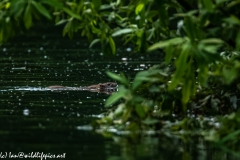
(190,33)
(139,109)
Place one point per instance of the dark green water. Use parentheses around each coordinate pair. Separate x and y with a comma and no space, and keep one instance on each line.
(37,120)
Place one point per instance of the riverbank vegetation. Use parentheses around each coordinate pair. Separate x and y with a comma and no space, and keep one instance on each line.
(198,77)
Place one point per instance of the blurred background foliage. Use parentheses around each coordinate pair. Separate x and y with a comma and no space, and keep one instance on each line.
(200,40)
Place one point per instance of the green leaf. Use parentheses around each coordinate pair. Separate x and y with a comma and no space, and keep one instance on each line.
(229,74)
(105,7)
(27,17)
(71,13)
(41,9)
(1,35)
(122,31)
(144,76)
(151,14)
(212,41)
(66,28)
(116,96)
(203,74)
(112,45)
(119,110)
(238,41)
(61,21)
(163,44)
(211,48)
(232,20)
(116,77)
(208,5)
(97,4)
(230,137)
(150,121)
(94,42)
(140,111)
(53,3)
(139,8)
(190,28)
(210,45)
(17,7)
(96,30)
(181,66)
(220,1)
(169,53)
(189,86)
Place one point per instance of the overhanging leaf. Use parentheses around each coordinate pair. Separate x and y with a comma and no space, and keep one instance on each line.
(238,41)
(181,66)
(61,21)
(122,31)
(94,42)
(41,9)
(140,111)
(71,13)
(212,41)
(232,20)
(163,44)
(112,45)
(116,96)
(116,77)
(139,8)
(27,17)
(53,3)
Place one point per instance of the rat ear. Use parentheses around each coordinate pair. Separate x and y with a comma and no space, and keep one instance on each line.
(101,86)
